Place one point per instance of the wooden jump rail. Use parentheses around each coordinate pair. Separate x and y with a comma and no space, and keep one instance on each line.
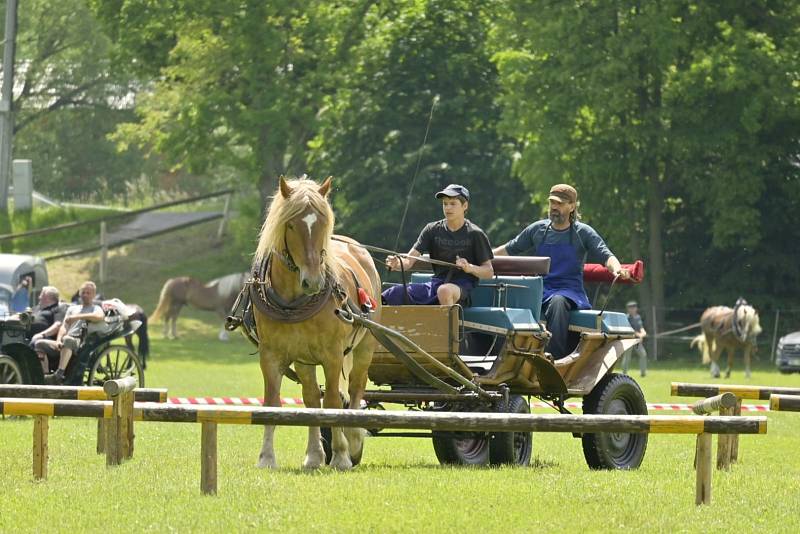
(728,447)
(784,403)
(210,416)
(116,390)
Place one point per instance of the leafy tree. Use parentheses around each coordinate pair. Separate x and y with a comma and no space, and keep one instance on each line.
(420,73)
(68,96)
(653,109)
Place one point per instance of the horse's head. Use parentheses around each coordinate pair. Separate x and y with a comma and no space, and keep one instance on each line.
(747,322)
(298,228)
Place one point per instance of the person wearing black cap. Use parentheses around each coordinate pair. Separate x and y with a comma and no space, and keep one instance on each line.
(568,243)
(453,239)
(638,328)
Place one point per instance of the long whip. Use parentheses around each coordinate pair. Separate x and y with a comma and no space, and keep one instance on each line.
(416,172)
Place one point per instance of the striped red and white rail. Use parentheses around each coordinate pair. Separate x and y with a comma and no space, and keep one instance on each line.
(289,401)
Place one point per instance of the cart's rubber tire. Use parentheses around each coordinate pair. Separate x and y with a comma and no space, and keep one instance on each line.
(468,449)
(615,394)
(512,448)
(10,371)
(115,361)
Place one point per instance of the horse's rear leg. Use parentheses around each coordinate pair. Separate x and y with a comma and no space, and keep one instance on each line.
(340,455)
(315,454)
(747,352)
(362,357)
(272,397)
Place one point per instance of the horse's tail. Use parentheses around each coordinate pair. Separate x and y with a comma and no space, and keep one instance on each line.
(164,300)
(144,338)
(700,342)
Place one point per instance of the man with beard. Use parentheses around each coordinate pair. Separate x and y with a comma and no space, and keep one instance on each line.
(569,244)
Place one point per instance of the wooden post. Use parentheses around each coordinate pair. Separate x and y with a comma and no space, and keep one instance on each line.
(737,411)
(40,453)
(101,435)
(655,335)
(225,215)
(103,253)
(119,438)
(208,458)
(724,444)
(703,483)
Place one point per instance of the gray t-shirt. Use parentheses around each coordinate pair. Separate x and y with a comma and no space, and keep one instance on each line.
(75,328)
(589,246)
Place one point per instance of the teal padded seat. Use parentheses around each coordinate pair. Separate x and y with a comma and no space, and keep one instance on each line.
(591,321)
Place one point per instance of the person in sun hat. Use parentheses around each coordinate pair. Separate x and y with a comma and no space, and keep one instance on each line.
(454,239)
(568,243)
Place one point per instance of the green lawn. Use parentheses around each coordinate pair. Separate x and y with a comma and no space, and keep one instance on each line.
(398,487)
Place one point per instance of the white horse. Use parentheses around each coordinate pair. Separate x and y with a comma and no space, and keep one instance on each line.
(218,296)
(728,329)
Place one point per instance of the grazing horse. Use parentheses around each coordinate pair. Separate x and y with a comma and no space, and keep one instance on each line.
(728,329)
(301,277)
(217,296)
(136,313)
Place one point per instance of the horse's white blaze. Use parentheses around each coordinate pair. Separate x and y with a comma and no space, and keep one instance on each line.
(310,219)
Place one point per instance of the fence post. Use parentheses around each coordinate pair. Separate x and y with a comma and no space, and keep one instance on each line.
(703,458)
(655,334)
(225,214)
(208,458)
(775,334)
(103,251)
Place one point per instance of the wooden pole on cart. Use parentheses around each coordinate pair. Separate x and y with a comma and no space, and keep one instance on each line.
(119,437)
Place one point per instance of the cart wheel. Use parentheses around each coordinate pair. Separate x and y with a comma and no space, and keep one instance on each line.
(615,394)
(460,448)
(512,447)
(115,361)
(10,371)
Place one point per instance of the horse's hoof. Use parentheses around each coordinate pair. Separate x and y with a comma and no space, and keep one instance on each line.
(267,463)
(341,462)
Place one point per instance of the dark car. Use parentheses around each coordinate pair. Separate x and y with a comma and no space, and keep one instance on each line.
(787,355)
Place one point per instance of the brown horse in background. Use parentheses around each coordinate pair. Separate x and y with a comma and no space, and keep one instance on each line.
(302,264)
(217,296)
(728,329)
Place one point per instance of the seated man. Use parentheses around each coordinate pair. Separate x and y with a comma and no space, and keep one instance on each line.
(86,315)
(45,323)
(453,239)
(568,243)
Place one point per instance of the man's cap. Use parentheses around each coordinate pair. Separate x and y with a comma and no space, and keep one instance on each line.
(453,190)
(563,193)
(631,303)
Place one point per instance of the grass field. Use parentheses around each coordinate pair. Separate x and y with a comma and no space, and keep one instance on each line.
(399,487)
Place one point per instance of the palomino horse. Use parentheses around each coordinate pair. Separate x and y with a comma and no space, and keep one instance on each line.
(217,296)
(728,329)
(302,277)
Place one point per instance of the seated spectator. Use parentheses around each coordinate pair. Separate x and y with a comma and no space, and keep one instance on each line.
(46,320)
(21,299)
(86,317)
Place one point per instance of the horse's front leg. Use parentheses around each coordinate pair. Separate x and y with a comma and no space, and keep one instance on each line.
(715,352)
(272,373)
(362,357)
(747,352)
(315,454)
(730,351)
(340,455)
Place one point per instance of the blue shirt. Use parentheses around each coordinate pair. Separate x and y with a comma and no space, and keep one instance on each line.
(589,246)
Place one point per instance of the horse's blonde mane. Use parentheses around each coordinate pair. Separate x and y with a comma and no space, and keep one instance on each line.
(305,193)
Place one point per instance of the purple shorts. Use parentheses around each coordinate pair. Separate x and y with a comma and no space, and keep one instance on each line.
(425,293)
